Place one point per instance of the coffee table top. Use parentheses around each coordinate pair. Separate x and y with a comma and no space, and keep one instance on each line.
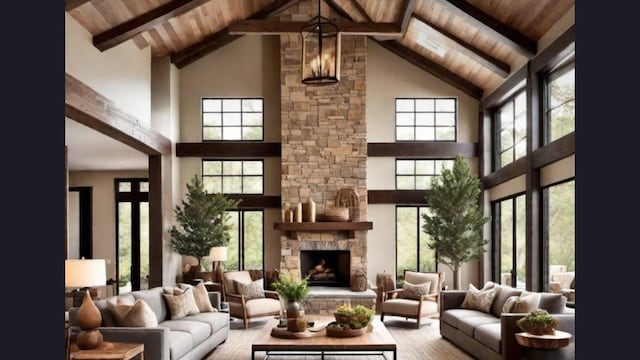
(378,338)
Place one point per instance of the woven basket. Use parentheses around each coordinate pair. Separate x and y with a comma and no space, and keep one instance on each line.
(358,281)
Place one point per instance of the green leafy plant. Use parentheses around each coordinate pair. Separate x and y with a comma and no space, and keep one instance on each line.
(455,221)
(290,287)
(538,322)
(356,317)
(203,220)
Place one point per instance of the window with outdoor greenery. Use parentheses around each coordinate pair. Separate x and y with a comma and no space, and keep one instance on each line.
(510,238)
(232,118)
(245,249)
(511,126)
(411,242)
(233,176)
(417,174)
(426,119)
(559,212)
(560,105)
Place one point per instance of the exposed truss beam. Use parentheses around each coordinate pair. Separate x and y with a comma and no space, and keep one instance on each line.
(361,10)
(269,27)
(144,22)
(72,4)
(432,67)
(407,10)
(89,108)
(500,68)
(221,38)
(486,23)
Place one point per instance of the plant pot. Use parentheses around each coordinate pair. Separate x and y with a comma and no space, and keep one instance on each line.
(295,316)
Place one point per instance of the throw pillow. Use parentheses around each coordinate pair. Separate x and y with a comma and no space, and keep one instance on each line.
(137,315)
(253,290)
(508,305)
(190,302)
(415,291)
(526,303)
(202,298)
(479,299)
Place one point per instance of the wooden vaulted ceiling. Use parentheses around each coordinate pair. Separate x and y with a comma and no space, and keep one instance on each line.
(474,45)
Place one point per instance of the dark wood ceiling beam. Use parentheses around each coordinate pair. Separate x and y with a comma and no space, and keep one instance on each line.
(407,10)
(221,38)
(500,68)
(423,150)
(270,27)
(89,108)
(147,21)
(432,67)
(486,23)
(356,4)
(72,4)
(228,149)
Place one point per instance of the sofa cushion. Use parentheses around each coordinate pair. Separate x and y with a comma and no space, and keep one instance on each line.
(526,303)
(553,303)
(454,316)
(508,305)
(502,294)
(415,291)
(409,307)
(489,335)
(198,331)
(262,306)
(153,297)
(190,301)
(216,320)
(137,315)
(479,299)
(180,343)
(416,277)
(201,296)
(468,324)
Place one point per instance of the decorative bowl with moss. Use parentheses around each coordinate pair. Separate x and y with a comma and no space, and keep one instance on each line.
(538,322)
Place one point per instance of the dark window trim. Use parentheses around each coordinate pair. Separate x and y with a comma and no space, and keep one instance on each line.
(241,236)
(497,126)
(455,112)
(202,112)
(415,174)
(497,238)
(417,242)
(241,175)
(564,67)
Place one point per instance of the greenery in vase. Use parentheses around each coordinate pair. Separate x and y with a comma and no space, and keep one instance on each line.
(538,322)
(456,220)
(357,317)
(203,220)
(290,287)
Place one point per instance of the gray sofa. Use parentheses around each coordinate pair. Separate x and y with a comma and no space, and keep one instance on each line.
(491,336)
(189,338)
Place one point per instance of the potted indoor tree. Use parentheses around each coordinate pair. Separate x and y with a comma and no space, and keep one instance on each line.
(203,222)
(455,220)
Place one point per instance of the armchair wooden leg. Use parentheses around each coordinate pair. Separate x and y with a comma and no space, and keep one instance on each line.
(246,323)
(418,323)
(382,317)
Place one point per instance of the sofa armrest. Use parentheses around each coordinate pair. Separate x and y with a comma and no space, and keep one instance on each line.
(508,329)
(214,298)
(451,299)
(155,339)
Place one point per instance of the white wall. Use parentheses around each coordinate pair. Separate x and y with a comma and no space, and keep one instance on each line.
(122,73)
(382,89)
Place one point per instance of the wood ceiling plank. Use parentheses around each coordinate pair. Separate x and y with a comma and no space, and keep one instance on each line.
(487,23)
(144,22)
(72,4)
(272,27)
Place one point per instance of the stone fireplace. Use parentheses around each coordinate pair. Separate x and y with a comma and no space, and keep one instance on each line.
(326,267)
(324,143)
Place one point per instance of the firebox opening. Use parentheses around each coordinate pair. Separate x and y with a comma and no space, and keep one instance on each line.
(326,267)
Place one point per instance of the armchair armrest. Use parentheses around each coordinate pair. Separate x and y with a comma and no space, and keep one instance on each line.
(155,339)
(429,297)
(271,294)
(236,298)
(391,294)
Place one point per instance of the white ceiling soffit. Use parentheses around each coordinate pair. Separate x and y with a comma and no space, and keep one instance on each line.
(89,150)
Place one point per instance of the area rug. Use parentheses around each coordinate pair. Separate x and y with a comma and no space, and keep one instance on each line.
(413,344)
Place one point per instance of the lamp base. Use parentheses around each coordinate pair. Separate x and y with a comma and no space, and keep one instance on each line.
(219,272)
(89,339)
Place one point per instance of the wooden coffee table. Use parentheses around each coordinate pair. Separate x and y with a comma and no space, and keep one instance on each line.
(109,350)
(375,342)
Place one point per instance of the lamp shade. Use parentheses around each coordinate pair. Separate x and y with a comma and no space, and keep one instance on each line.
(218,253)
(85,273)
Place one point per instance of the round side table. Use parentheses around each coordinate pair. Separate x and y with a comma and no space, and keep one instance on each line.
(543,347)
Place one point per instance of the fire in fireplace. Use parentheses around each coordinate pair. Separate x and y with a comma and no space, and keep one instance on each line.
(326,267)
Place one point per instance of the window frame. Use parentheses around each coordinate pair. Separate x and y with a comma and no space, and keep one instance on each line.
(415,174)
(222,99)
(496,239)
(497,129)
(221,176)
(241,236)
(559,70)
(436,261)
(434,126)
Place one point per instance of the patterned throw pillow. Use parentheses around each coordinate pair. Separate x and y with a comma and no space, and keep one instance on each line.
(253,290)
(415,291)
(479,299)
(180,302)
(137,315)
(192,306)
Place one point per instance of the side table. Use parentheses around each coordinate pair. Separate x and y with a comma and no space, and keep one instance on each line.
(109,350)
(546,346)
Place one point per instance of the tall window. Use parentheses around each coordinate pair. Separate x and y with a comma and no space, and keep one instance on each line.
(233,176)
(511,128)
(560,224)
(427,119)
(412,251)
(560,104)
(246,247)
(510,240)
(232,119)
(417,174)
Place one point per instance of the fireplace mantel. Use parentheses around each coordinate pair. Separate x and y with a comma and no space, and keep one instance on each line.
(349,226)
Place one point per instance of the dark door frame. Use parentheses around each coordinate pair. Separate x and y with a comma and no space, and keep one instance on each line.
(86,220)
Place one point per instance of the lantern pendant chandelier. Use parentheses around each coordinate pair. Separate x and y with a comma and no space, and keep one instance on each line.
(320,51)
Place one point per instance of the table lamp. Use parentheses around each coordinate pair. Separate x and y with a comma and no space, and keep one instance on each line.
(84,274)
(218,254)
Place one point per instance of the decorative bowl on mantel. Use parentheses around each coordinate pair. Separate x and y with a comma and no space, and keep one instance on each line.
(336,214)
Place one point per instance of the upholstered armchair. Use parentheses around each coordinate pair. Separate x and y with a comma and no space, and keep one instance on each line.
(247,298)
(419,297)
